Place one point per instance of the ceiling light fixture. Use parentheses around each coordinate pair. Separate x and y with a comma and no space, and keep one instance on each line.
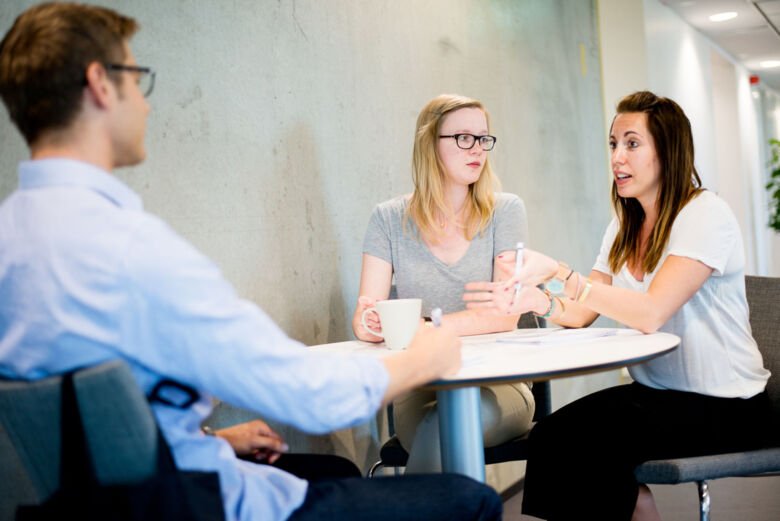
(769,64)
(722,17)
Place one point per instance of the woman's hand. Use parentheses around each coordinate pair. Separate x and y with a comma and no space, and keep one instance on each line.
(499,298)
(537,267)
(256,438)
(372,319)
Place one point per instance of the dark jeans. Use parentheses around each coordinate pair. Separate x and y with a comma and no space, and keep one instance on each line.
(432,497)
(314,467)
(582,458)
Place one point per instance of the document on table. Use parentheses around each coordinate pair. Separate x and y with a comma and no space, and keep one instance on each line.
(558,336)
(475,350)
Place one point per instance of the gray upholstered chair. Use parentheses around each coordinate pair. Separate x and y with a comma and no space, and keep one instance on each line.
(119,427)
(393,455)
(763,294)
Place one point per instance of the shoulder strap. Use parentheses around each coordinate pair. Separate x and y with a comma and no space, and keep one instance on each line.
(76,465)
(173,394)
(75,461)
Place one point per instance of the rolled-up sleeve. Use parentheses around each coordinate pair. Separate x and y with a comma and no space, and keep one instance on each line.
(184,320)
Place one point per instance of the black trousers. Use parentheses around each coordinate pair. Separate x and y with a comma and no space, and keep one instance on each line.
(337,492)
(420,497)
(312,467)
(582,457)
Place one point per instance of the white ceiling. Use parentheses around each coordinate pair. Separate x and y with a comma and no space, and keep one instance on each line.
(752,37)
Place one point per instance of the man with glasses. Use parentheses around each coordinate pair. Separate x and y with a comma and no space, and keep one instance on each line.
(87,276)
(144,76)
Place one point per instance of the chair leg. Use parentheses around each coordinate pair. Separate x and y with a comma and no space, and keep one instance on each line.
(704,500)
(376,466)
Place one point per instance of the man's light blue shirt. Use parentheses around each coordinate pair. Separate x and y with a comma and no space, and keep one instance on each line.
(86,276)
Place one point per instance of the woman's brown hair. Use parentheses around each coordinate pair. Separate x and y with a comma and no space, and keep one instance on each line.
(679,182)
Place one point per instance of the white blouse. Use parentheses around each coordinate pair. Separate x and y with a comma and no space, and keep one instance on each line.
(717,355)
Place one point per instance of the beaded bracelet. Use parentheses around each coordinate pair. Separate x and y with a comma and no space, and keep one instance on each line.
(586,291)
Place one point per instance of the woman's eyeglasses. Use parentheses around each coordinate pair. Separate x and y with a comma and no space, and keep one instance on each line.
(467,141)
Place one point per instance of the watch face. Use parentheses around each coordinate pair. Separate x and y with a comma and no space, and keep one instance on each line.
(554,286)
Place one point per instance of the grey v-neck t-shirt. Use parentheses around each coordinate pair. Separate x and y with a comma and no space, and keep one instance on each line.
(417,273)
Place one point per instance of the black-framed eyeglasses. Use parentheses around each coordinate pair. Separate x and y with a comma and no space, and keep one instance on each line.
(466,141)
(144,76)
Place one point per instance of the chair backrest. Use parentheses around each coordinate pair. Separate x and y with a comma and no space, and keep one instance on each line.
(530,321)
(119,427)
(763,294)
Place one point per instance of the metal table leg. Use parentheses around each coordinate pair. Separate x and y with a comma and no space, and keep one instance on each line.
(460,430)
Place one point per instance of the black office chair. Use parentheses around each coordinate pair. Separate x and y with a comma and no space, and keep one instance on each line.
(119,427)
(393,455)
(762,296)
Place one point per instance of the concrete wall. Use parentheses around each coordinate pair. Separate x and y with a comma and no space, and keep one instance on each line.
(277,125)
(623,53)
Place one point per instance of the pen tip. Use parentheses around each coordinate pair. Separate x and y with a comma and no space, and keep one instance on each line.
(436,316)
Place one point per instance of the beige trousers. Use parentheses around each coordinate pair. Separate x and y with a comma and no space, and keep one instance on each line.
(507,412)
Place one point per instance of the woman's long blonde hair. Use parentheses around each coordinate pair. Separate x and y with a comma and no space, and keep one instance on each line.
(428,174)
(679,181)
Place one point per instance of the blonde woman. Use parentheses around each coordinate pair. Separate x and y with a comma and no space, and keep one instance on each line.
(429,244)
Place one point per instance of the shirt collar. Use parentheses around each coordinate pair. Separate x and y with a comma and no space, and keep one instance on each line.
(41,173)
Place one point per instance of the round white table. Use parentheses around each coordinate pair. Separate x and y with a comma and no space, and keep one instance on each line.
(520,355)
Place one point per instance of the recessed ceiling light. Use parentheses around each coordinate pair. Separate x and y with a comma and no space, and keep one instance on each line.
(769,64)
(722,17)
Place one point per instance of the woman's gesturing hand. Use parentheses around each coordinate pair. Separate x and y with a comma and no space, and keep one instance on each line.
(499,298)
(537,267)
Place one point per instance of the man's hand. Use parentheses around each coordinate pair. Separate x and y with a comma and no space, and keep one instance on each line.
(433,353)
(256,438)
(437,349)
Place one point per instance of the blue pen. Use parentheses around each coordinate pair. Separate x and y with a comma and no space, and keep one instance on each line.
(436,317)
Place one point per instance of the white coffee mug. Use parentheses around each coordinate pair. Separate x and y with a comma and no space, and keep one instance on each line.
(400,319)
